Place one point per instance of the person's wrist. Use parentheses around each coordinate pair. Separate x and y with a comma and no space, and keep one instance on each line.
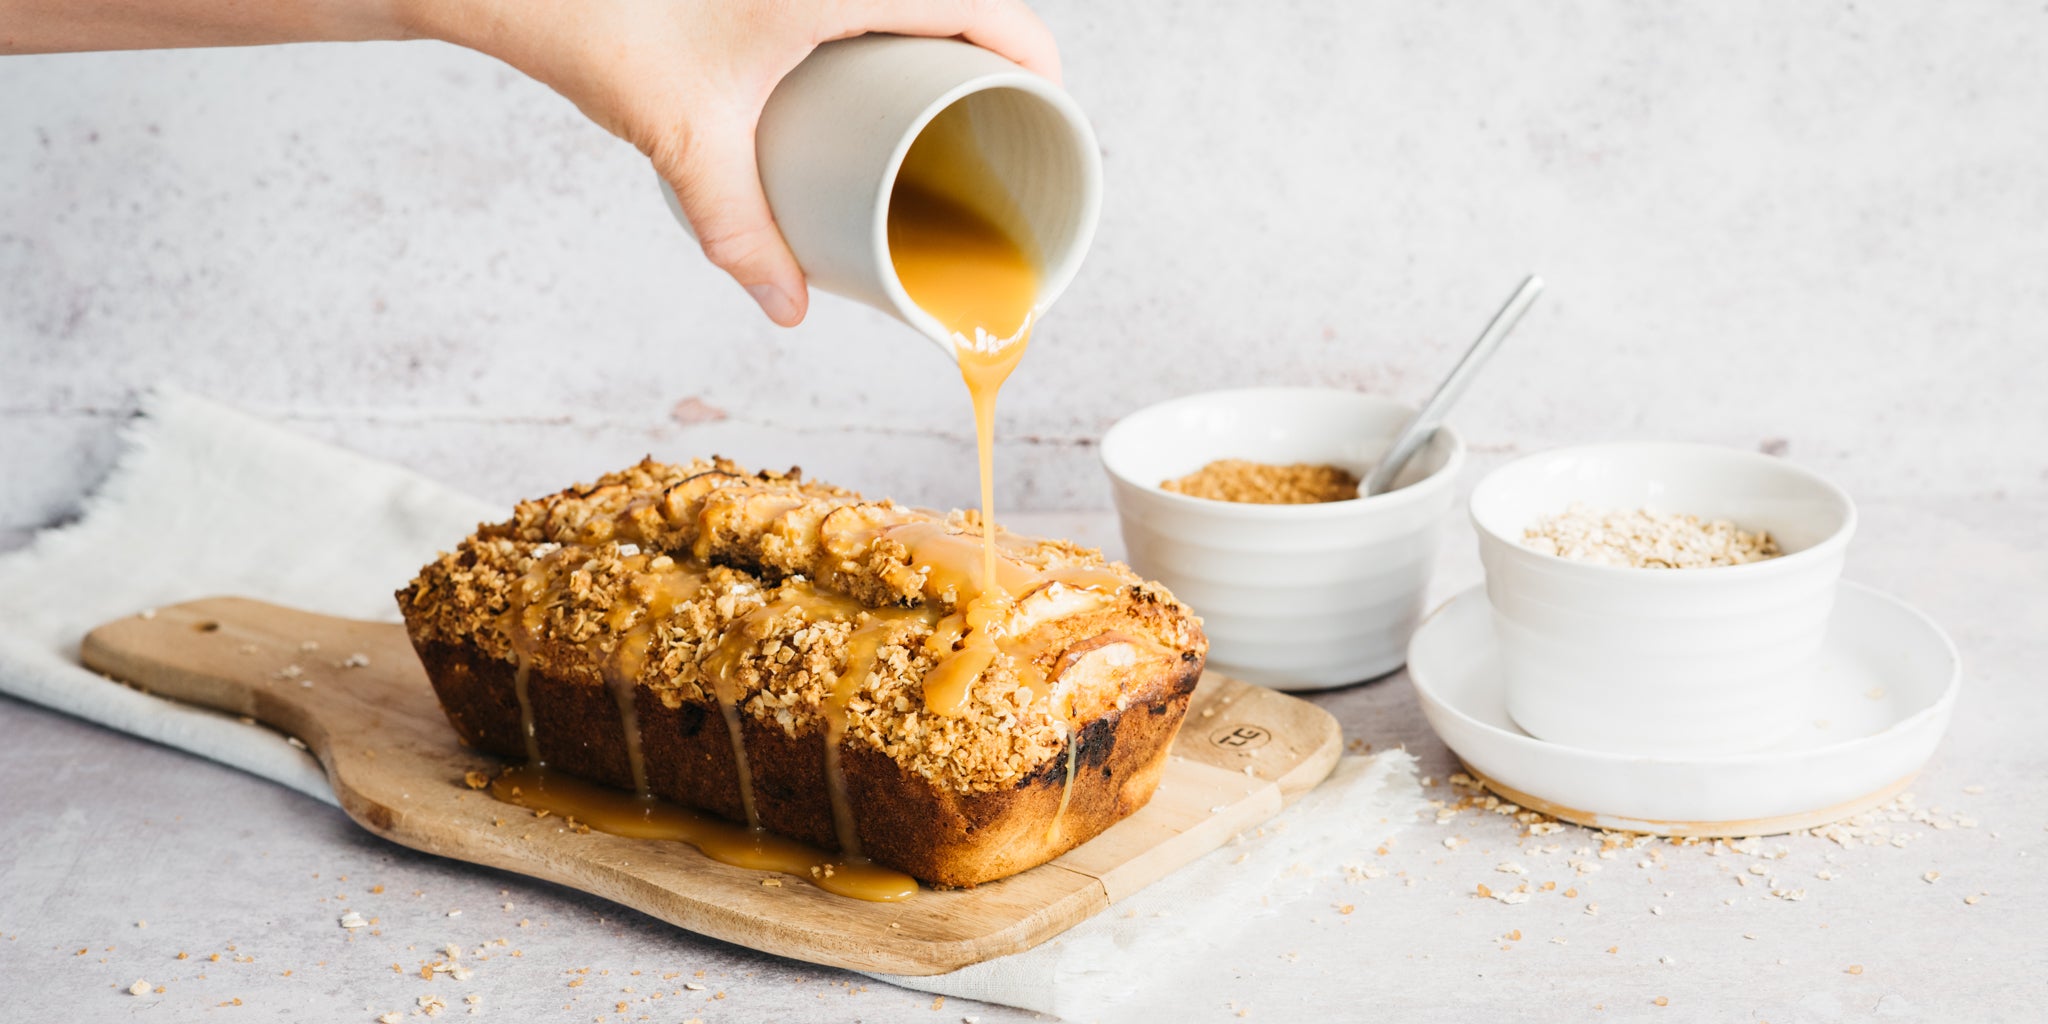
(450,21)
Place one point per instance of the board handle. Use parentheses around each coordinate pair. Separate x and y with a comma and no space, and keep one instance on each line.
(1284,740)
(294,671)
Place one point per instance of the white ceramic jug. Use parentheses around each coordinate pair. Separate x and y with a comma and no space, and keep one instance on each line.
(835,131)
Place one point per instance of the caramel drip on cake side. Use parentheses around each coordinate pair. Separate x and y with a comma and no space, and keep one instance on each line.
(623,814)
(741,638)
(863,651)
(521,624)
(657,587)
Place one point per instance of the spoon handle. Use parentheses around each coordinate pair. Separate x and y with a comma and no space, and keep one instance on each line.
(1420,429)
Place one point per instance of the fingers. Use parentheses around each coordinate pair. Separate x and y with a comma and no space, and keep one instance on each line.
(1006,26)
(719,186)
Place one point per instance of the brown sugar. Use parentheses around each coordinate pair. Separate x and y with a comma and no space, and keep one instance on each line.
(1259,483)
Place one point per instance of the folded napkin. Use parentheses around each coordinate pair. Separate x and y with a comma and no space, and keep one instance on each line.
(208,501)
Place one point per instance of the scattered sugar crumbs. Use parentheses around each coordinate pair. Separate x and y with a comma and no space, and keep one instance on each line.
(1643,539)
(1258,483)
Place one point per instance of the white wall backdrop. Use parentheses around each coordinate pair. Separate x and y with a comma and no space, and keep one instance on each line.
(1821,226)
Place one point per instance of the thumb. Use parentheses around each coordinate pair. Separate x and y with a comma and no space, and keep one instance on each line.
(719,186)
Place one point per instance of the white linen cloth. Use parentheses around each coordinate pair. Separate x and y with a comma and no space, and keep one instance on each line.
(208,501)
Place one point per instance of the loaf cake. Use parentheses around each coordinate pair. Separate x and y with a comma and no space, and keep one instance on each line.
(788,654)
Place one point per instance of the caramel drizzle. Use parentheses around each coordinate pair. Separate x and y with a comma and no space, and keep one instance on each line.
(657,588)
(741,637)
(963,644)
(618,813)
(519,690)
(863,651)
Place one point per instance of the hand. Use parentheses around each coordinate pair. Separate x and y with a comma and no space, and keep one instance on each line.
(685,81)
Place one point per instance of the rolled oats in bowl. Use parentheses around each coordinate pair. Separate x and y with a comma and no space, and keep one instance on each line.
(1643,539)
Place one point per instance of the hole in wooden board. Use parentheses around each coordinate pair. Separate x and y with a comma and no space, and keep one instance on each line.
(209,626)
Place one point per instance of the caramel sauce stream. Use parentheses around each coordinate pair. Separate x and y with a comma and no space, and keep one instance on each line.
(954,243)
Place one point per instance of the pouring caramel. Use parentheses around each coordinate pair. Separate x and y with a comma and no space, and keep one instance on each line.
(956,241)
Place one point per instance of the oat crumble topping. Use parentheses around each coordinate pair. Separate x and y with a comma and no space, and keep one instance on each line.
(582,570)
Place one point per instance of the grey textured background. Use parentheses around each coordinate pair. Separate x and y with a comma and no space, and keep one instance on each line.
(1815,224)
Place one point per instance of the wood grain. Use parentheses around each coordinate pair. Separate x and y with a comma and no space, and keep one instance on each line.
(1243,754)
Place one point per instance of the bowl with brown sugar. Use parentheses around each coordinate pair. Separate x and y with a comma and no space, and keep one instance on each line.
(1245,503)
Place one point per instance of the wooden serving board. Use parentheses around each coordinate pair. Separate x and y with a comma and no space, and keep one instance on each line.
(1244,753)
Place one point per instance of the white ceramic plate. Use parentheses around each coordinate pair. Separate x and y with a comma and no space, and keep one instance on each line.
(1888,685)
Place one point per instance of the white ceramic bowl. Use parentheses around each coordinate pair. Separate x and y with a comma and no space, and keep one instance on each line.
(1661,661)
(1298,597)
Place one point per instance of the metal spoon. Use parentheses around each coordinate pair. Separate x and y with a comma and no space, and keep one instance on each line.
(1419,430)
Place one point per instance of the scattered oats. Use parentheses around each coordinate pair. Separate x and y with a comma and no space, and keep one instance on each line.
(771,883)
(1668,960)
(455,913)
(1972,900)
(295,741)
(1657,910)
(1789,895)
(142,924)
(1759,869)
(1931,877)
(357,660)
(432,1004)
(1661,1001)
(1973,790)
(1854,969)
(1592,910)
(310,646)
(1512,898)
(1453,842)
(353,920)
(290,672)
(1749,935)
(461,973)
(247,649)
(390,1018)
(147,613)
(1482,891)
(140,988)
(1219,808)
(1510,868)
(693,986)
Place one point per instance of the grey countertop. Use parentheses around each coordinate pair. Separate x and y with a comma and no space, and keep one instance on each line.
(122,856)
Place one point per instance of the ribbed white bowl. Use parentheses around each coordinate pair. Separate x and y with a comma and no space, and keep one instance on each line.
(1293,596)
(1661,661)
